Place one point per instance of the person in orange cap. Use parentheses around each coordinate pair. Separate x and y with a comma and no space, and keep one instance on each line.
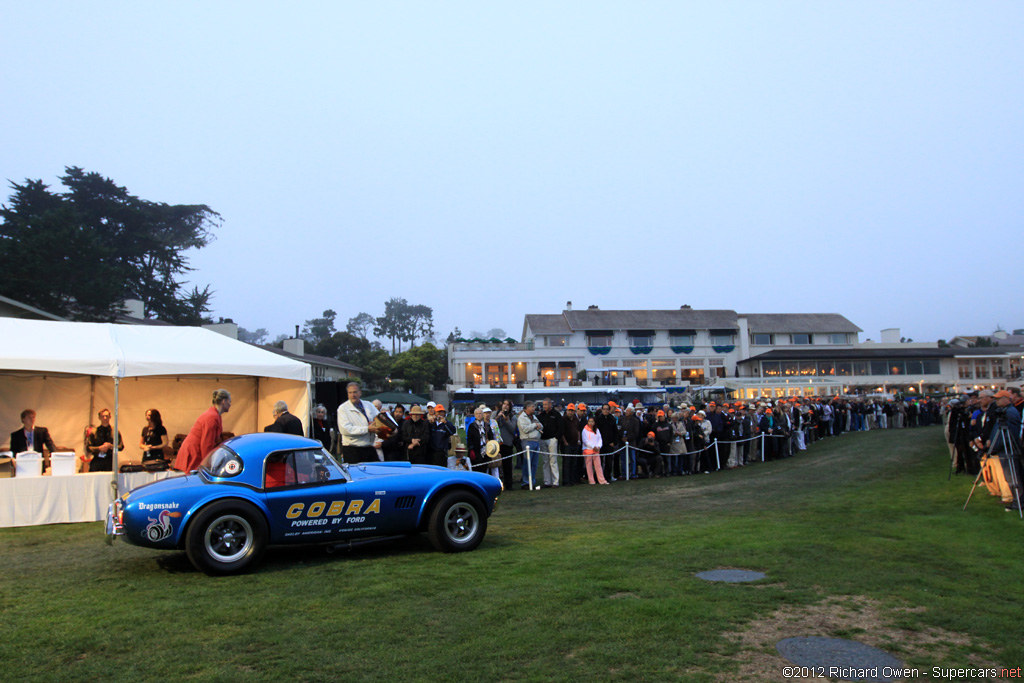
(572,447)
(648,457)
(769,426)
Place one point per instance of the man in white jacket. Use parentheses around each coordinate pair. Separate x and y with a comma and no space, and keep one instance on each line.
(355,423)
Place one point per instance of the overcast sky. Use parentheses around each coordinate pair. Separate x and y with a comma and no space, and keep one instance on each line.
(495,159)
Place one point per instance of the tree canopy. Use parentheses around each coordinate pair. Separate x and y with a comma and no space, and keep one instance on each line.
(81,252)
(403,321)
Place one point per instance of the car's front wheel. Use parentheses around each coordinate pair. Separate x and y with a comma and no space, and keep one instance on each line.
(226,537)
(458,522)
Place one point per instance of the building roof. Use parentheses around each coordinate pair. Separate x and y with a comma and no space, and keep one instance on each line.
(852,354)
(548,324)
(9,308)
(1008,340)
(313,358)
(884,352)
(681,319)
(799,322)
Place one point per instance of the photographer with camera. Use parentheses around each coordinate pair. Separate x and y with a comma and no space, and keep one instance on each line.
(999,428)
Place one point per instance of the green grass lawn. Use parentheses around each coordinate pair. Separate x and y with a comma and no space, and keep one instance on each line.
(587,583)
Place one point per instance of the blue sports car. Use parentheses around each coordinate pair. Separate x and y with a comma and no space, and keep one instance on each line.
(259,489)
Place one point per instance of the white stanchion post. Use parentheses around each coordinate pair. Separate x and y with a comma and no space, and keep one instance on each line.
(762,446)
(529,467)
(718,457)
(627,461)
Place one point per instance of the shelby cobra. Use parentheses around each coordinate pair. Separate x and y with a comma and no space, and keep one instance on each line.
(258,489)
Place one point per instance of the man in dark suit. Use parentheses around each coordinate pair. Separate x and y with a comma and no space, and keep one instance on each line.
(284,422)
(32,438)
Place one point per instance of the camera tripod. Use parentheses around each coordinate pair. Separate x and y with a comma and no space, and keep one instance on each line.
(1011,457)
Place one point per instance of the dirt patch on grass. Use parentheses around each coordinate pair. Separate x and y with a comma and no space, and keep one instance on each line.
(853,618)
(622,594)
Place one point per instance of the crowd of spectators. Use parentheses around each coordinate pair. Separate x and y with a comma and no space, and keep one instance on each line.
(554,445)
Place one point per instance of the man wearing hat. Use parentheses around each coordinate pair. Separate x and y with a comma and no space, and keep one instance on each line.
(416,437)
(529,434)
(441,433)
(629,426)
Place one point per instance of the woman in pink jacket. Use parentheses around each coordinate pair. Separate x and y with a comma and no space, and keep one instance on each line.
(592,451)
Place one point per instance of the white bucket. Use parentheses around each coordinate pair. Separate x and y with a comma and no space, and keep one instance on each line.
(28,464)
(62,464)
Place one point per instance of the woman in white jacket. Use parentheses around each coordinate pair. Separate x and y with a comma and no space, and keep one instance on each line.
(592,451)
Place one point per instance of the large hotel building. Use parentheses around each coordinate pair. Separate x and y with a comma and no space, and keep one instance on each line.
(651,355)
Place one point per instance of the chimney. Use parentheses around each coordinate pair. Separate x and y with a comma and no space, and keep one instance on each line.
(134,308)
(685,307)
(891,335)
(592,307)
(296,331)
(295,346)
(568,305)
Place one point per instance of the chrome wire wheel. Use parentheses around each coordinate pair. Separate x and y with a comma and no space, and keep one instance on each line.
(461,523)
(228,538)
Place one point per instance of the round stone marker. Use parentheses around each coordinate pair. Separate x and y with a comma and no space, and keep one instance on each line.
(846,660)
(731,575)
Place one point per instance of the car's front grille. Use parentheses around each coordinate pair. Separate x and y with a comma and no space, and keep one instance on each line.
(404,502)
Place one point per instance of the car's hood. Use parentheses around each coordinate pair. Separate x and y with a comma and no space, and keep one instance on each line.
(161,487)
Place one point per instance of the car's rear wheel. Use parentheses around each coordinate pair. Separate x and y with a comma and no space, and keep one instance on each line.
(226,537)
(458,522)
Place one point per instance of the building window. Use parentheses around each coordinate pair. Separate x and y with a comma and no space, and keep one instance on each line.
(964,367)
(721,339)
(913,367)
(827,368)
(861,368)
(474,374)
(930,367)
(556,341)
(681,340)
(880,367)
(599,340)
(771,368)
(663,363)
(997,368)
(633,363)
(838,339)
(981,369)
(790,368)
(645,339)
(844,369)
(762,340)
(808,368)
(800,338)
(897,367)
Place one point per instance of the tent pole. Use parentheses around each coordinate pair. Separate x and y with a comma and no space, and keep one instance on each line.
(256,413)
(113,455)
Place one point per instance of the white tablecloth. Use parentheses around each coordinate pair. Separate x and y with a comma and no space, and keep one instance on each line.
(31,501)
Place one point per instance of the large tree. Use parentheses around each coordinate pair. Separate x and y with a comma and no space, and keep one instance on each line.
(319,329)
(81,252)
(394,323)
(360,325)
(420,366)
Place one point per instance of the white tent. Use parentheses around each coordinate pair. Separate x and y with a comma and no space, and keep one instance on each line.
(68,371)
